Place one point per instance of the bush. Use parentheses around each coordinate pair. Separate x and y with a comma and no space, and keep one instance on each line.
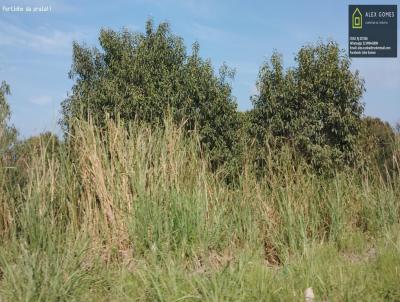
(149,76)
(314,106)
(23,152)
(378,143)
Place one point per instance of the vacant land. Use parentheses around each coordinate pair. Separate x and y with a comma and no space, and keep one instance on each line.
(137,215)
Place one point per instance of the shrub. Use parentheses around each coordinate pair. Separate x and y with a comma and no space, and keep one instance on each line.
(23,152)
(378,142)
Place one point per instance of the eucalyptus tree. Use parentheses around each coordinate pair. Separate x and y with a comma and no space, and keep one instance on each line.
(315,106)
(146,76)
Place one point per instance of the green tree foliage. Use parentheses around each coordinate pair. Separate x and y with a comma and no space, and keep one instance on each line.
(378,142)
(147,76)
(315,106)
(8,133)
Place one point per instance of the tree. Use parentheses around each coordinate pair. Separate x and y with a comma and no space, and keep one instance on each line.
(8,133)
(147,76)
(315,106)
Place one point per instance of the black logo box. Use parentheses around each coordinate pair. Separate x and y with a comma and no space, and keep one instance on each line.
(377,36)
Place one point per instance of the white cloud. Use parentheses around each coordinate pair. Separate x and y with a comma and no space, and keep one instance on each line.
(43,40)
(41,100)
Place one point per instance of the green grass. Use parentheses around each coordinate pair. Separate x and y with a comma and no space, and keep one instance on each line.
(334,276)
(137,215)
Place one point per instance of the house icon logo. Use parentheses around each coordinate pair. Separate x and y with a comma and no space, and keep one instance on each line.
(356,19)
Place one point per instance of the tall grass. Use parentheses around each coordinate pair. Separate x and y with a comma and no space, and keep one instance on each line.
(133,211)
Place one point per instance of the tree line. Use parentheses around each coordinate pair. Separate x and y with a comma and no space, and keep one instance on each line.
(315,107)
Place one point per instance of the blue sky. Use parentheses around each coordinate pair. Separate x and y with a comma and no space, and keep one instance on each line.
(35,48)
